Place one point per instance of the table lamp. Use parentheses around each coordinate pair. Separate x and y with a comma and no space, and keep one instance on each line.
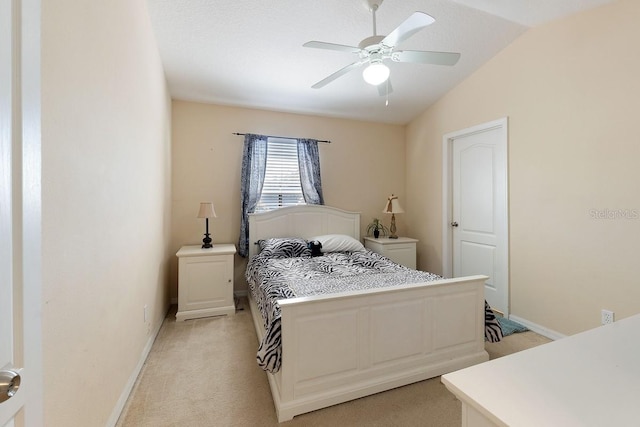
(206,211)
(393,207)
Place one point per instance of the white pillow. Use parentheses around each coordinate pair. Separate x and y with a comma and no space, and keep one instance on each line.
(338,243)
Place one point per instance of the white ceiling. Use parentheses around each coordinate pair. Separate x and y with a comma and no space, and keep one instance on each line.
(249,53)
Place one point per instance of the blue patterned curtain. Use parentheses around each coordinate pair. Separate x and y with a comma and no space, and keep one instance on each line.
(254,164)
(309,164)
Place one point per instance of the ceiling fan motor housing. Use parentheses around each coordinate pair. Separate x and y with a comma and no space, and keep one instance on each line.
(371,43)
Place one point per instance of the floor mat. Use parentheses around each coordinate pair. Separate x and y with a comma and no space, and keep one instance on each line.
(510,327)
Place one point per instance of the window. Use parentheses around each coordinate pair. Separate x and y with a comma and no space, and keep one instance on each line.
(291,178)
(281,185)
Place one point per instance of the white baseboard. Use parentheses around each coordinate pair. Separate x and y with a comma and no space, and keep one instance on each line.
(117,410)
(545,332)
(243,293)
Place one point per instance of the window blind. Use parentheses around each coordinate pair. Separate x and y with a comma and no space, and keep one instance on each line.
(282,176)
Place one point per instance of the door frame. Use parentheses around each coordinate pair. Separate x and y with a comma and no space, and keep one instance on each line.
(447,193)
(23,163)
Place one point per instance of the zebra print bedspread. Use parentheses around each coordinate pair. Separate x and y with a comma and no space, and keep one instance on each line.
(272,279)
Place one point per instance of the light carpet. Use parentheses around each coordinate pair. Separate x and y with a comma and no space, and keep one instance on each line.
(203,373)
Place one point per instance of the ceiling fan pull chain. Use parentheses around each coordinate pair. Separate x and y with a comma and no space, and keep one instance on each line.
(386,104)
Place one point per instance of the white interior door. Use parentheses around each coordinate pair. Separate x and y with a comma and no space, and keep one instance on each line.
(20,201)
(478,216)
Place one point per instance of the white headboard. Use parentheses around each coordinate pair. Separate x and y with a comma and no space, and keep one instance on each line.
(304,221)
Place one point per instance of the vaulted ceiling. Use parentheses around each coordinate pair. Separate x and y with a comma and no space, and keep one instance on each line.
(249,53)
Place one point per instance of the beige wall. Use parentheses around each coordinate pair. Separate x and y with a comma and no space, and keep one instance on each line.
(572,95)
(106,203)
(360,168)
(119,199)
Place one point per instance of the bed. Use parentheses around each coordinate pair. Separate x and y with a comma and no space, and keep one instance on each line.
(342,346)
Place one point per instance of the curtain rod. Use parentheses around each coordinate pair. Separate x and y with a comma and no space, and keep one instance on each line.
(284,137)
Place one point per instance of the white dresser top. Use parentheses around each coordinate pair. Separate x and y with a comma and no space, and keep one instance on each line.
(197,250)
(588,379)
(384,240)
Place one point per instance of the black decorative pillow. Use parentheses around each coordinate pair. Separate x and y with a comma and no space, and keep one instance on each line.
(315,247)
(284,247)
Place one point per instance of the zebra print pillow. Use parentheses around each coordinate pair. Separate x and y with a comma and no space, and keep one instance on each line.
(284,247)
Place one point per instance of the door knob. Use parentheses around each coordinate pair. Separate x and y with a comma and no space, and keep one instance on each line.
(9,384)
(454,224)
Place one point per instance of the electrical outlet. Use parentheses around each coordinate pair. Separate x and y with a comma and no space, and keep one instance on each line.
(607,317)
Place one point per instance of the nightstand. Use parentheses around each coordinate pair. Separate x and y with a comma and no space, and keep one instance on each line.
(401,250)
(205,281)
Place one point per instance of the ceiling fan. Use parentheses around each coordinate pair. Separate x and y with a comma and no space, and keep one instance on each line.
(375,50)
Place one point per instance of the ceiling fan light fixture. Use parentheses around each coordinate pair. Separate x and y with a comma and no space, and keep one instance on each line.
(372,51)
(376,73)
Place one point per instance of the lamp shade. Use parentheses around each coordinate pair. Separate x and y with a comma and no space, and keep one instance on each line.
(206,210)
(376,73)
(393,205)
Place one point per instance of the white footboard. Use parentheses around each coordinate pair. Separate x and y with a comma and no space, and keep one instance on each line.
(341,347)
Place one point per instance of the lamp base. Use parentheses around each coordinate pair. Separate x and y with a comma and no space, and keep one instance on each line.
(206,242)
(392,228)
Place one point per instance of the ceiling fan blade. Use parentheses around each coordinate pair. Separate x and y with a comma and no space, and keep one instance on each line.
(385,88)
(413,24)
(425,57)
(337,74)
(332,46)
